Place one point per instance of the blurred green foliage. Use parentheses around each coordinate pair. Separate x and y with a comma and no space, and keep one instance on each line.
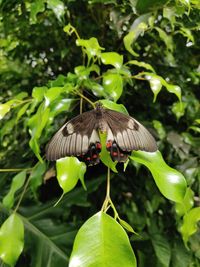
(142,54)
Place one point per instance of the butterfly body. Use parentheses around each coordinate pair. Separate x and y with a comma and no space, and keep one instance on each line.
(80,136)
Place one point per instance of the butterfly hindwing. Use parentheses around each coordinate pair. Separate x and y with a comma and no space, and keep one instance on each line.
(77,137)
(128,133)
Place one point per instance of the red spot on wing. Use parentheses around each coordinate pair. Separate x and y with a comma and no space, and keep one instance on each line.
(115,154)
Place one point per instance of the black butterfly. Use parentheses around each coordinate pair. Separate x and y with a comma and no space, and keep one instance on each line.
(80,136)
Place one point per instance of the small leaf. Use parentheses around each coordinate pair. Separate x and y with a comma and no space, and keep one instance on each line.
(4,109)
(11,239)
(105,155)
(107,241)
(160,129)
(36,176)
(17,183)
(113,85)
(112,58)
(170,182)
(52,94)
(178,108)
(36,7)
(57,7)
(189,226)
(174,89)
(186,204)
(69,171)
(21,112)
(141,64)
(166,38)
(126,226)
(156,83)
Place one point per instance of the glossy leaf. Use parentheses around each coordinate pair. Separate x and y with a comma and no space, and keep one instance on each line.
(36,7)
(166,38)
(17,182)
(52,94)
(101,241)
(113,85)
(159,128)
(112,105)
(11,239)
(22,111)
(4,109)
(186,204)
(69,171)
(189,226)
(112,58)
(170,182)
(38,93)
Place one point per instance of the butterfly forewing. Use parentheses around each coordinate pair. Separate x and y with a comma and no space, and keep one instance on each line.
(74,137)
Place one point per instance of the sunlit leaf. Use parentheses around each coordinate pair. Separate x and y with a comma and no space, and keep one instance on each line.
(11,239)
(69,171)
(52,94)
(17,183)
(126,226)
(38,93)
(108,242)
(112,58)
(166,38)
(57,7)
(189,226)
(4,109)
(170,182)
(21,112)
(113,85)
(186,204)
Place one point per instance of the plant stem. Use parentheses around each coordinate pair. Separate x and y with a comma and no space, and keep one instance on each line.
(87,99)
(15,170)
(22,194)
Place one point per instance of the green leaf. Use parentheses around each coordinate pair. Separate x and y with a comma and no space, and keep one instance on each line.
(141,64)
(91,47)
(11,239)
(17,182)
(36,176)
(189,226)
(105,155)
(52,94)
(57,7)
(107,241)
(174,89)
(138,28)
(166,38)
(162,249)
(114,106)
(170,182)
(38,93)
(178,108)
(156,83)
(112,58)
(186,204)
(144,6)
(159,128)
(69,171)
(36,7)
(4,109)
(21,112)
(113,85)
(126,226)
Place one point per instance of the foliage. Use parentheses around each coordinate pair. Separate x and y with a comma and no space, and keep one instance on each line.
(142,55)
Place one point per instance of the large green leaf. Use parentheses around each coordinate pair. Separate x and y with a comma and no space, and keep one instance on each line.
(170,182)
(69,171)
(101,241)
(113,85)
(11,239)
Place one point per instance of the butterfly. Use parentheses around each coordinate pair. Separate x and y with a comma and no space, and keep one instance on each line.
(80,136)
